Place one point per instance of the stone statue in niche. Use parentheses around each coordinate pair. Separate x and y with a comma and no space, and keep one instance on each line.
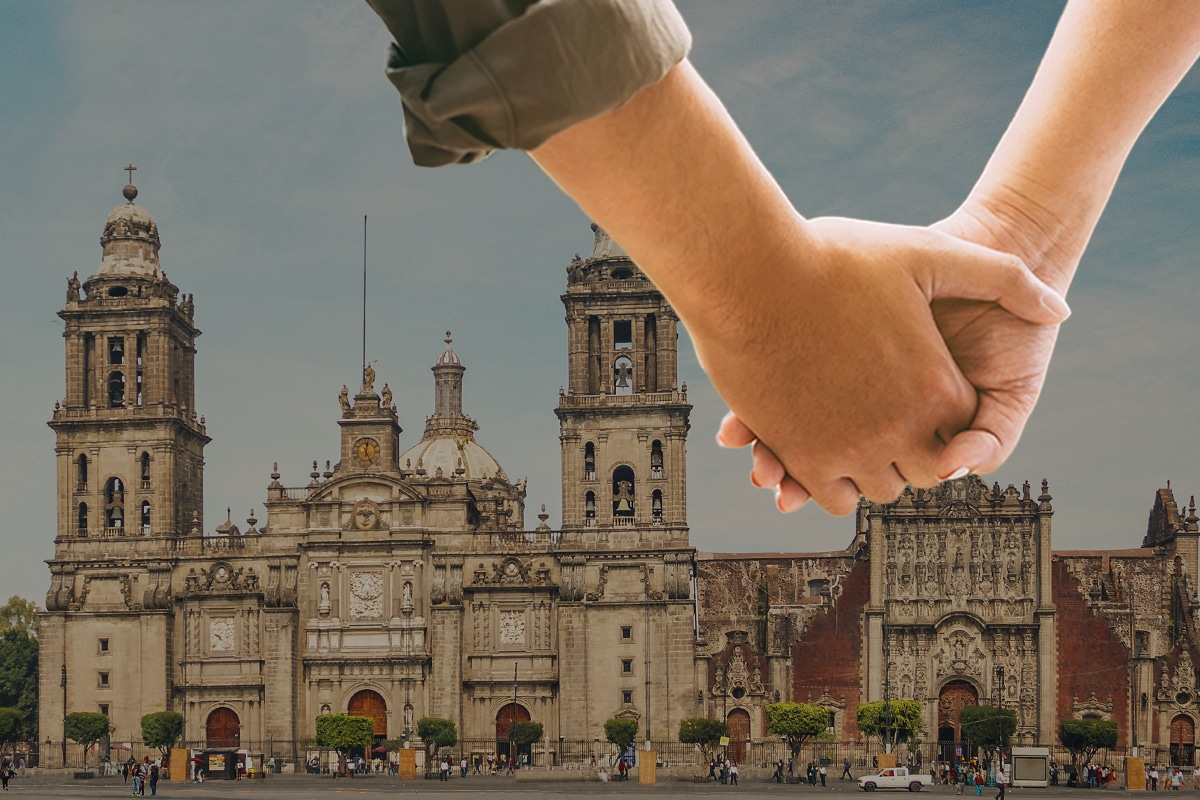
(344,398)
(323,606)
(385,399)
(408,594)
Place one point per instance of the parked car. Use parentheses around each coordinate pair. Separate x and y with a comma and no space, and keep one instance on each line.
(894,778)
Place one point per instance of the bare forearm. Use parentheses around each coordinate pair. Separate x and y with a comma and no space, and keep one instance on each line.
(1109,67)
(673,180)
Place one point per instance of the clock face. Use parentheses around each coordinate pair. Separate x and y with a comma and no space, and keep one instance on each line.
(365,450)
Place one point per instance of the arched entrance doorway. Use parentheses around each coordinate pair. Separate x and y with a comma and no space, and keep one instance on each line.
(953,742)
(223,729)
(505,718)
(739,733)
(371,705)
(1183,741)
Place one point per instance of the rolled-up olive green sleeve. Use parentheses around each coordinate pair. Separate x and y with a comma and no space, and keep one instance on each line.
(480,75)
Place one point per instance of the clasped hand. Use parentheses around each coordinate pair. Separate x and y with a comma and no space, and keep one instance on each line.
(870,346)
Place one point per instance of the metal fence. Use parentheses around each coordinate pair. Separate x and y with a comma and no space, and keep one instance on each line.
(590,753)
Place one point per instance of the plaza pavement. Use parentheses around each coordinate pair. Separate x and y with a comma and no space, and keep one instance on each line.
(309,787)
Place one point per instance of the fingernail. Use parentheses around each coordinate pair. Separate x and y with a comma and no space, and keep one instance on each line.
(754,480)
(1053,301)
(779,501)
(721,442)
(961,472)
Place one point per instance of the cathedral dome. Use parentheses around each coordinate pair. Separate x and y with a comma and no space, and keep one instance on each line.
(130,241)
(450,454)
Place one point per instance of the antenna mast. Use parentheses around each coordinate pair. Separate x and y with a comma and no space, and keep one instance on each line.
(364,310)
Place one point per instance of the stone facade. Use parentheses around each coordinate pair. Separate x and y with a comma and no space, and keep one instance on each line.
(402,580)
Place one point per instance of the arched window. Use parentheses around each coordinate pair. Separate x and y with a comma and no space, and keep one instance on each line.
(145,462)
(145,517)
(116,390)
(623,375)
(81,474)
(589,462)
(656,507)
(114,504)
(589,508)
(656,459)
(623,492)
(83,520)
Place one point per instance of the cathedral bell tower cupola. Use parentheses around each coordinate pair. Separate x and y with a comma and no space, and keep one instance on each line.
(129,441)
(623,417)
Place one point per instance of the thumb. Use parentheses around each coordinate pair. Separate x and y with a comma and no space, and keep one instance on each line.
(989,441)
(966,271)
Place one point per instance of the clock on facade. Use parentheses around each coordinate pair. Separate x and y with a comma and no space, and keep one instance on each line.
(365,450)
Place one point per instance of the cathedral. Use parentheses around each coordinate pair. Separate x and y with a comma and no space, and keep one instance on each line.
(403,580)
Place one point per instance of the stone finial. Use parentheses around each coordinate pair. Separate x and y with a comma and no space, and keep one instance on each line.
(1044,498)
(328,473)
(251,521)
(195,523)
(275,471)
(1193,522)
(543,525)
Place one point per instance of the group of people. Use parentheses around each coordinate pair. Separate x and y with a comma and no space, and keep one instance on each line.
(812,773)
(1172,779)
(139,774)
(723,770)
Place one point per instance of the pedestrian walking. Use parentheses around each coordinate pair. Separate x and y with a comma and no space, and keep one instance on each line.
(846,770)
(1154,779)
(733,773)
(1001,780)
(154,772)
(822,771)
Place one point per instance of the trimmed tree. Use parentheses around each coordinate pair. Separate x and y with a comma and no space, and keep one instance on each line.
(988,727)
(523,734)
(19,675)
(86,728)
(1083,737)
(344,733)
(162,729)
(621,732)
(12,729)
(436,733)
(797,723)
(703,732)
(892,723)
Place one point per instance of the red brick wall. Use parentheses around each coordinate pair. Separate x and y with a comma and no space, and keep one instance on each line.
(1091,657)
(829,653)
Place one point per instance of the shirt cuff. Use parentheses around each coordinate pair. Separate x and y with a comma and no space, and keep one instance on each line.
(524,78)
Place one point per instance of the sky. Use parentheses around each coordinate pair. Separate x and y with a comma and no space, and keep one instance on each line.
(263,132)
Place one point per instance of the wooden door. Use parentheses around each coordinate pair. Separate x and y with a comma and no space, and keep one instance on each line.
(739,733)
(371,705)
(223,729)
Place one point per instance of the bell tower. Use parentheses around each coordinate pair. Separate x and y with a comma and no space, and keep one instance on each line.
(623,419)
(129,444)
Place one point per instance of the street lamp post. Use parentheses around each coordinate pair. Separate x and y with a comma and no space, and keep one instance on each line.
(64,739)
(183,701)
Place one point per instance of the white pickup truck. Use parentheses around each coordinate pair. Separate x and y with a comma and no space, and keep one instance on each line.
(895,778)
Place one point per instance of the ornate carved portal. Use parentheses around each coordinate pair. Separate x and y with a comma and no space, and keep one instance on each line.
(223,729)
(954,697)
(739,733)
(371,705)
